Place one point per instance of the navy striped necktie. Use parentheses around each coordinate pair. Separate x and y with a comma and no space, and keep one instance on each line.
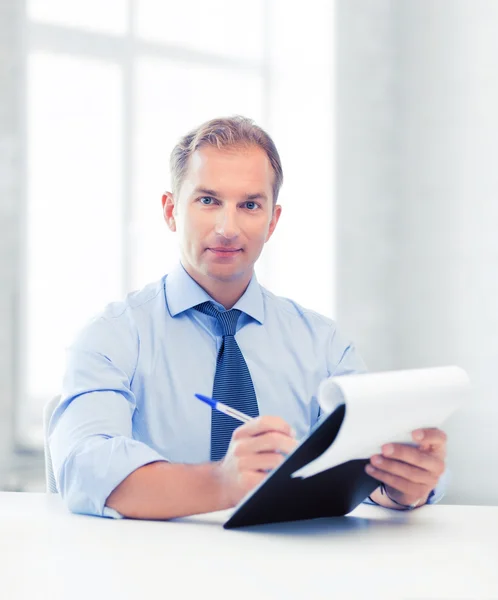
(232,381)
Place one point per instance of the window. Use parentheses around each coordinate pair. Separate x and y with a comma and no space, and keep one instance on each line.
(74,217)
(111,86)
(218,27)
(109,17)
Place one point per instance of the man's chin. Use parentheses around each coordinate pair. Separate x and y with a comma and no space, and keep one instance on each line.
(225,273)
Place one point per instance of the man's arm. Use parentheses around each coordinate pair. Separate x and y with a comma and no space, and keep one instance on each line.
(162,490)
(90,432)
(98,465)
(165,491)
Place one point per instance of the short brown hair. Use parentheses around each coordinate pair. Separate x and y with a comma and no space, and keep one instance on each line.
(230,132)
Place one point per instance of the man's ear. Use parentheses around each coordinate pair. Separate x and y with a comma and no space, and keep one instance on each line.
(168,210)
(277,209)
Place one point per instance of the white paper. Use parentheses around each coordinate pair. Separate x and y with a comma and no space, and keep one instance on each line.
(386,407)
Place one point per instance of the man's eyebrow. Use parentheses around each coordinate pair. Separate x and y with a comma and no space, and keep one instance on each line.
(248,197)
(259,196)
(208,192)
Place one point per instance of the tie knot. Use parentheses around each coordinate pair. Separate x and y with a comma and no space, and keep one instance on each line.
(227,319)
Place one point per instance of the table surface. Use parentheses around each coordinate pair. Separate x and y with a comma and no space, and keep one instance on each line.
(433,552)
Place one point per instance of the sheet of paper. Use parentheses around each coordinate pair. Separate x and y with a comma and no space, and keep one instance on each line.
(386,407)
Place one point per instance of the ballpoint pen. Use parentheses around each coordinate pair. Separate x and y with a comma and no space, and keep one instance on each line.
(227,410)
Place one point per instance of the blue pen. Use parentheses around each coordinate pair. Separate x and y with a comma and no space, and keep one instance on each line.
(227,410)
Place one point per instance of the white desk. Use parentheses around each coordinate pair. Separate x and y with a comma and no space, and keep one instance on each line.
(433,552)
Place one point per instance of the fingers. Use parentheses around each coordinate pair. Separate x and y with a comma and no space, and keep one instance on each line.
(406,471)
(260,445)
(255,448)
(410,488)
(410,470)
(273,441)
(432,436)
(263,461)
(400,455)
(263,425)
(431,439)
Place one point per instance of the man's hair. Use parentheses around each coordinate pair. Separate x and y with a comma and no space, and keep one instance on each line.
(224,133)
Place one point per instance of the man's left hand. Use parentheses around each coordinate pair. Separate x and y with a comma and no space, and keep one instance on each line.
(411,473)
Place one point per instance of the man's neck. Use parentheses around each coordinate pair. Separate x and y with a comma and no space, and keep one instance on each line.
(227,293)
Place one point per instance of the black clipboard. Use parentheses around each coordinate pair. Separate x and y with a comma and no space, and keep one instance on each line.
(331,493)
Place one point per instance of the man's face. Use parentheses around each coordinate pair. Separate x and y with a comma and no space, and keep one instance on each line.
(223,212)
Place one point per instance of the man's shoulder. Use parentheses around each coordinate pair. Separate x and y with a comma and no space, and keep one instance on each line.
(293,311)
(120,324)
(122,318)
(143,300)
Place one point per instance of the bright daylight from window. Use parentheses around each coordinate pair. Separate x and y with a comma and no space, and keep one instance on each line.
(111,86)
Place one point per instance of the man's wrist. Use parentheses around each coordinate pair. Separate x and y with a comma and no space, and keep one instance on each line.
(395,501)
(219,485)
(401,502)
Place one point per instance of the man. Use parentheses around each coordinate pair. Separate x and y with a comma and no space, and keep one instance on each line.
(128,437)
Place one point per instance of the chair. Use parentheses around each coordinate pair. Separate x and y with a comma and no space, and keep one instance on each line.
(49,471)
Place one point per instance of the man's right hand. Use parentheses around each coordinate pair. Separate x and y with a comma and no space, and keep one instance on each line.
(255,448)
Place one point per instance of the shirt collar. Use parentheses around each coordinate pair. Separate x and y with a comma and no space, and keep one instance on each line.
(183,293)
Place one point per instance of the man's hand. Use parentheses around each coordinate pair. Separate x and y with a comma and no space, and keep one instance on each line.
(256,448)
(411,473)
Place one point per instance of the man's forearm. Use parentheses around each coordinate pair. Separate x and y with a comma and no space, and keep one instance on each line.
(161,490)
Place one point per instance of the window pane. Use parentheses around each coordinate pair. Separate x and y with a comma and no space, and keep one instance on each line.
(228,27)
(172,98)
(74,214)
(108,16)
(301,123)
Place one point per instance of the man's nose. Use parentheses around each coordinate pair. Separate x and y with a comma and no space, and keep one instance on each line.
(226,224)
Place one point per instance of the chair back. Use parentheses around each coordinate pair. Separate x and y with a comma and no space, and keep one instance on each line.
(49,471)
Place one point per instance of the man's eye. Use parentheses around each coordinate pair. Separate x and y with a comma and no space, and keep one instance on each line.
(251,205)
(206,200)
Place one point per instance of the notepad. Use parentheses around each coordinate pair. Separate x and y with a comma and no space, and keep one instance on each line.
(386,407)
(325,475)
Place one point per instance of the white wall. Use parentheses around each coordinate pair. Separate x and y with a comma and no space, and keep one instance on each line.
(418,204)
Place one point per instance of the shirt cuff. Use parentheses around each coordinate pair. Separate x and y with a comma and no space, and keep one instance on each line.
(111,513)
(98,465)
(439,491)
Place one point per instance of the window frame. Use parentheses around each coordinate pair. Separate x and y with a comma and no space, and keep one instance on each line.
(124,50)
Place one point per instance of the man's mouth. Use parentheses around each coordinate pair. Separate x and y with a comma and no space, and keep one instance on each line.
(225,253)
(227,250)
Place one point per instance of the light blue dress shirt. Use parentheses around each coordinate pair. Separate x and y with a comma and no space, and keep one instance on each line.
(128,391)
